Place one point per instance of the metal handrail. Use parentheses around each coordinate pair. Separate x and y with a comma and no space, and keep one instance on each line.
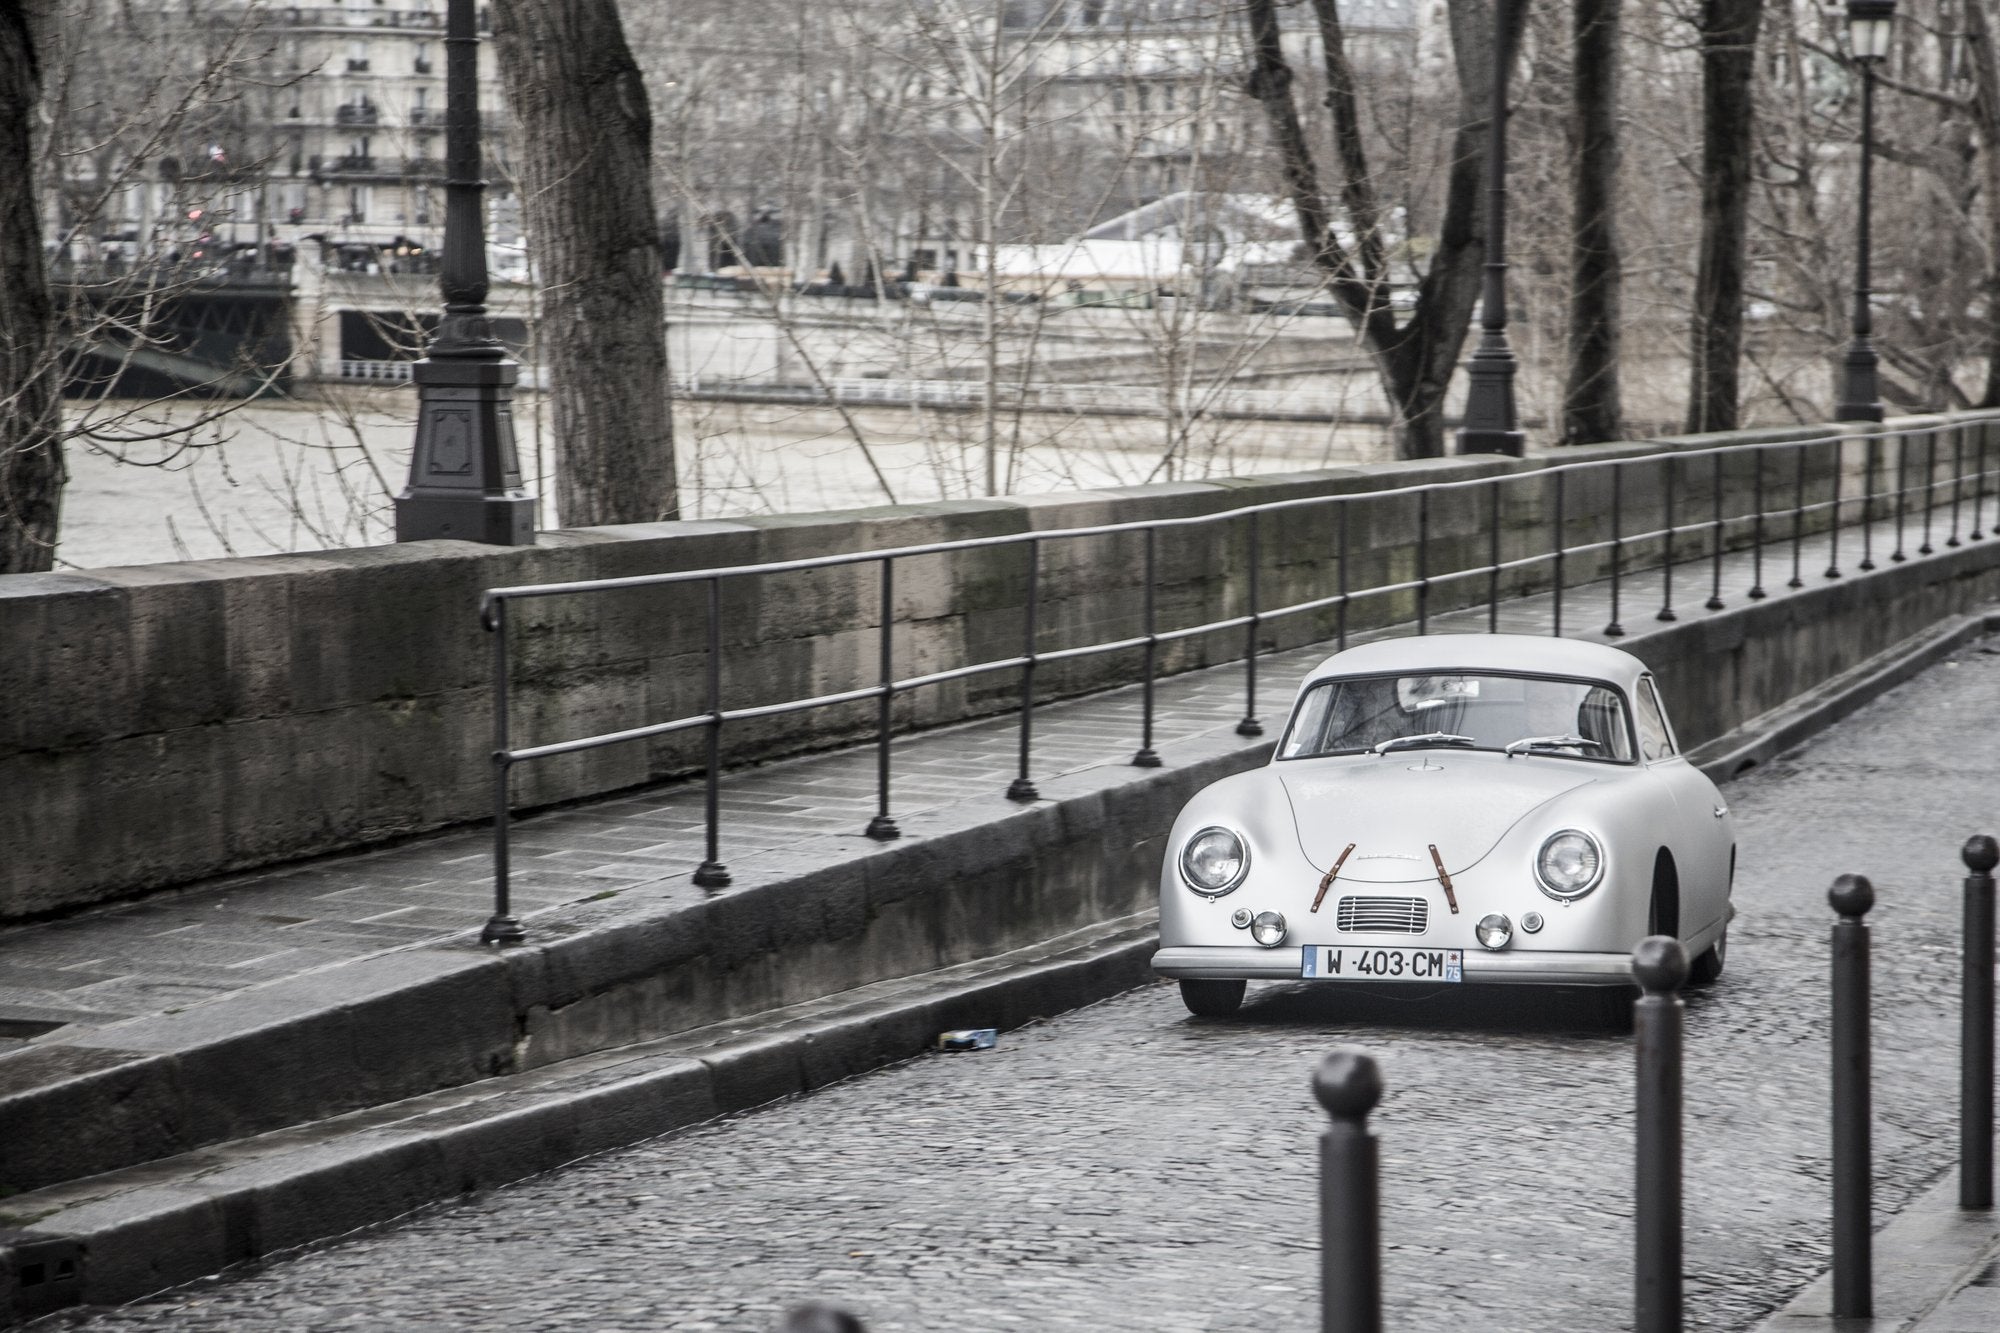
(1712,531)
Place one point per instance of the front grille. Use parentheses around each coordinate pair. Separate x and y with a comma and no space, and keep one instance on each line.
(1401,916)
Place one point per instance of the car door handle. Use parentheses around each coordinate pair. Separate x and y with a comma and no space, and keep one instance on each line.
(1721,810)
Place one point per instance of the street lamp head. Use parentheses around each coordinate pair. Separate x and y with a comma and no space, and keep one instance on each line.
(1868,26)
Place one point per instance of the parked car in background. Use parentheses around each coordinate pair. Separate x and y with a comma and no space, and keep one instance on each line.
(1447,810)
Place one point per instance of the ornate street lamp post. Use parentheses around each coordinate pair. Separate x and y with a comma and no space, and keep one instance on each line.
(1868,26)
(465,477)
(1491,424)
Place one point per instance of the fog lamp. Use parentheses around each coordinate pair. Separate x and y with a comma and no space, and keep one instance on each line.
(1494,931)
(1268,929)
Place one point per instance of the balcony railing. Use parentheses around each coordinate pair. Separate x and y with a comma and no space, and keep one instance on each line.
(356,66)
(364,113)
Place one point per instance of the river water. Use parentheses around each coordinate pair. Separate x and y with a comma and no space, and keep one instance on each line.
(155,483)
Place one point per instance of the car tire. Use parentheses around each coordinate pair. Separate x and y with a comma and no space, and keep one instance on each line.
(1705,969)
(1212,999)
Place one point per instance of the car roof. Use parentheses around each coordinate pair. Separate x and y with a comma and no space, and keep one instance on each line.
(1532,653)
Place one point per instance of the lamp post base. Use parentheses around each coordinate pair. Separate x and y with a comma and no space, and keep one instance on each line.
(465,477)
(1860,393)
(1491,423)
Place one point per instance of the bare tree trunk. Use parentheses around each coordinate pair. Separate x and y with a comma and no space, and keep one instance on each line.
(1986,116)
(586,143)
(1591,408)
(1728,51)
(1416,361)
(31,459)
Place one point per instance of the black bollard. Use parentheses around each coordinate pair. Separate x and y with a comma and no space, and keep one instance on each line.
(1853,1264)
(1660,966)
(1975,1061)
(1349,1084)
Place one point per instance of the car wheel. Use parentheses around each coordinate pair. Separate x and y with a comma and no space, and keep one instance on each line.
(1212,999)
(1705,969)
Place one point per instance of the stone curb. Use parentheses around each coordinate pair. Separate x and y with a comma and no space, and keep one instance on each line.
(139,1231)
(1928,1251)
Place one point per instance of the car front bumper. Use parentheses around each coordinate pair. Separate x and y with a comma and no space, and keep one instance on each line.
(1503,967)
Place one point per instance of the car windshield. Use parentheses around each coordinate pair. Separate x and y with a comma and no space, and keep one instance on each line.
(1543,715)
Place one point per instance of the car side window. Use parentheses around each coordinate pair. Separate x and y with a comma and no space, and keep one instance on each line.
(1655,740)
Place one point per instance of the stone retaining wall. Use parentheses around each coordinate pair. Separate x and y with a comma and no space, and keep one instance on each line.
(170,722)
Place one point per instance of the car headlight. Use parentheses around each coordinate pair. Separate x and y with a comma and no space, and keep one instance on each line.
(1569,865)
(1214,861)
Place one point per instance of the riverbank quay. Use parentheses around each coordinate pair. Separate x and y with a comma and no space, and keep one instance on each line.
(333,1018)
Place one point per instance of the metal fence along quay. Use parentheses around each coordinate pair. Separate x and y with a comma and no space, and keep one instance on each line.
(1879,497)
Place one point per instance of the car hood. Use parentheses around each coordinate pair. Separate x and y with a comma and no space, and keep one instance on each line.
(1396,807)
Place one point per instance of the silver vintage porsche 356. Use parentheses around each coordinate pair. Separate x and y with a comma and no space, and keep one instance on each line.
(1452,809)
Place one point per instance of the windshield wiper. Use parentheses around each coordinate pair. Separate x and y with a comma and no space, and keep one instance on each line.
(1527,743)
(1428,738)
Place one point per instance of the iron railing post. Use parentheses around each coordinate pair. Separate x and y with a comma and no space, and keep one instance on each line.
(1423,561)
(1975,1067)
(1667,551)
(1022,788)
(882,827)
(1613,629)
(1833,521)
(1340,618)
(1902,490)
(1250,726)
(1147,757)
(1853,1263)
(1868,503)
(1493,560)
(1348,1084)
(1930,487)
(1957,479)
(1798,515)
(1757,593)
(711,873)
(503,927)
(1660,966)
(1556,534)
(1978,479)
(1714,602)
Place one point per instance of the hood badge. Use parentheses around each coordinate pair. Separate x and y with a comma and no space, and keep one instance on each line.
(1327,883)
(1444,879)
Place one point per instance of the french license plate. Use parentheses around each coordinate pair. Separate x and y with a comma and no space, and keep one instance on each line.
(1343,962)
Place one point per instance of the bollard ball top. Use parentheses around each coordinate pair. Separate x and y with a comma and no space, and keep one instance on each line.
(1981,853)
(1852,896)
(1659,964)
(1348,1083)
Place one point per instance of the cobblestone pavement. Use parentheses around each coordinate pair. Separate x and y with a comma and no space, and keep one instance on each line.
(1127,1167)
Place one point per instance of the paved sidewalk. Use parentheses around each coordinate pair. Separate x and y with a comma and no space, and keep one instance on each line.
(1936,1270)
